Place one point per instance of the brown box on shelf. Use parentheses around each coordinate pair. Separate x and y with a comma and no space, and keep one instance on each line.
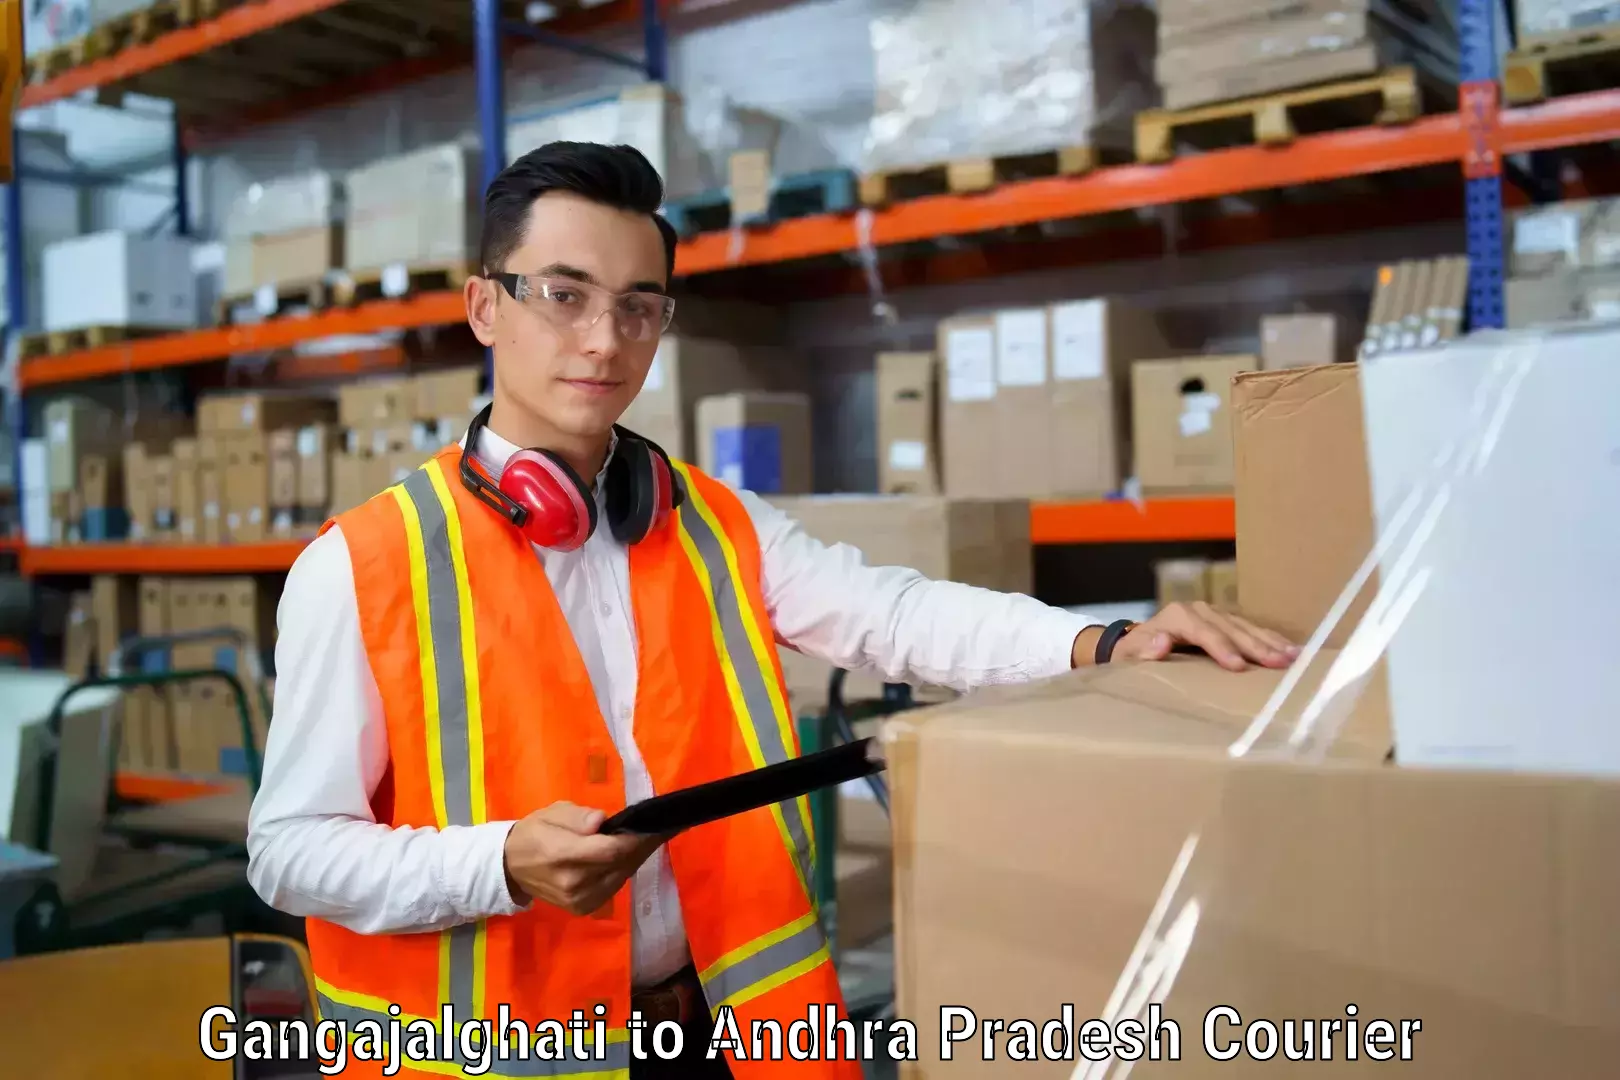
(79,636)
(446,396)
(1223,585)
(1094,344)
(351,480)
(100,482)
(211,461)
(908,423)
(376,402)
(1181,581)
(1023,402)
(297,256)
(282,489)
(75,426)
(165,509)
(1303,497)
(1295,341)
(258,412)
(187,491)
(758,440)
(147,712)
(138,492)
(968,419)
(316,444)
(1182,422)
(687,369)
(246,489)
(983,542)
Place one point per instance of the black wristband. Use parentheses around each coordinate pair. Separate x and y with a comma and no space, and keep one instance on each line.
(1110,637)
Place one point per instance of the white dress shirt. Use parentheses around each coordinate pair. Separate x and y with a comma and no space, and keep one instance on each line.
(315,848)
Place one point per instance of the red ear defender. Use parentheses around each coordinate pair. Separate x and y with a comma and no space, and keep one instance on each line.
(663,492)
(557,512)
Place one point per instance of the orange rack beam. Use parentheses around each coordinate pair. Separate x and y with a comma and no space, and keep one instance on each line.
(1124,522)
(233,25)
(156,787)
(1576,120)
(1102,522)
(200,346)
(266,558)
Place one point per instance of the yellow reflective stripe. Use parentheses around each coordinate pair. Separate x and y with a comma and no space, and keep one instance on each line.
(760,643)
(767,962)
(424,641)
(739,705)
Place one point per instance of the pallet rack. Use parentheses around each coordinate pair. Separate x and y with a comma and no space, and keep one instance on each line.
(1479,137)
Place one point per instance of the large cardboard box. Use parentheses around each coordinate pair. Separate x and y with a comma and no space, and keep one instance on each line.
(1460,918)
(1294,341)
(377,402)
(969,425)
(983,542)
(140,281)
(75,427)
(758,441)
(419,210)
(1182,423)
(253,411)
(246,488)
(1304,502)
(908,423)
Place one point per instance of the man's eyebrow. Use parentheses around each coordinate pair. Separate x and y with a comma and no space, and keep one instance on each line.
(563,270)
(650,286)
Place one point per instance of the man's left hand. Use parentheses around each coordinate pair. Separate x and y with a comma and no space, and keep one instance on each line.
(1231,640)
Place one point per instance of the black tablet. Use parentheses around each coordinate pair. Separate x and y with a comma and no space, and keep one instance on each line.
(665,815)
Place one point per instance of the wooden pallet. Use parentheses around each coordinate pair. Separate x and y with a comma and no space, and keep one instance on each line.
(1390,97)
(314,295)
(966,176)
(57,342)
(119,33)
(1554,66)
(823,191)
(358,286)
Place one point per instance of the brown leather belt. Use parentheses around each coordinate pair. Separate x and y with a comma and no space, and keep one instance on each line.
(678,998)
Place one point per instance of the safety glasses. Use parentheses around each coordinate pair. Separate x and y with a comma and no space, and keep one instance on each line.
(578,306)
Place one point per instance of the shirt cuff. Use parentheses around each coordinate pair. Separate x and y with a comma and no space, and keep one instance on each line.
(1064,627)
(485,888)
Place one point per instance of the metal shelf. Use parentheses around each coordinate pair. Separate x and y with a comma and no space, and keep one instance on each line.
(163,787)
(270,557)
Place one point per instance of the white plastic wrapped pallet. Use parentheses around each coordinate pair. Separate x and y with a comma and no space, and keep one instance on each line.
(1546,17)
(420,209)
(962,78)
(302,210)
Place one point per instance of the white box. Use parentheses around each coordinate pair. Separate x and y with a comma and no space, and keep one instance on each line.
(120,279)
(417,209)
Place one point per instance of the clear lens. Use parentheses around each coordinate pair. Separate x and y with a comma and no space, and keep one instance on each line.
(578,306)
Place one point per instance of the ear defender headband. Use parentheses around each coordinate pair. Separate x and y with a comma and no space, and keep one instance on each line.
(542,497)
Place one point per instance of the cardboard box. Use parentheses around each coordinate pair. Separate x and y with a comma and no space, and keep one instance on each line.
(969,423)
(687,369)
(211,461)
(983,542)
(1567,296)
(447,396)
(1286,891)
(1554,20)
(1182,581)
(1295,341)
(282,489)
(908,423)
(1571,235)
(1095,343)
(140,281)
(102,516)
(1182,422)
(79,636)
(246,483)
(148,710)
(1222,585)
(1023,415)
(165,509)
(758,441)
(1303,498)
(351,480)
(187,490)
(255,412)
(418,209)
(376,402)
(75,427)
(316,444)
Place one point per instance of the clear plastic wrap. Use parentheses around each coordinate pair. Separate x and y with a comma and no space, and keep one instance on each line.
(1158,850)
(962,78)
(1561,16)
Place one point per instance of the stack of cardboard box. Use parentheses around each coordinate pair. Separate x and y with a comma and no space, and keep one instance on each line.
(1220,50)
(416,210)
(221,489)
(1564,263)
(391,425)
(286,231)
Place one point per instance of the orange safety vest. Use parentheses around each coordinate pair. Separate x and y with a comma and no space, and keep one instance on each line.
(491,716)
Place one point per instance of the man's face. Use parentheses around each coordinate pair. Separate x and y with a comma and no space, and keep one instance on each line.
(562,353)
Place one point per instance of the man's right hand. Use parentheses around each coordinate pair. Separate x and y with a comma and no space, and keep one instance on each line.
(556,855)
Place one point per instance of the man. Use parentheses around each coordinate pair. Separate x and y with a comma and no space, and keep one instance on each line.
(457,707)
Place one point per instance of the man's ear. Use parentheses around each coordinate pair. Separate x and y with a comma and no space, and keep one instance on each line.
(481,296)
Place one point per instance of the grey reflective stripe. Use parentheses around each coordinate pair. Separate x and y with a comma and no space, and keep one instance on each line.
(778,956)
(616,1058)
(728,604)
(444,617)
(450,679)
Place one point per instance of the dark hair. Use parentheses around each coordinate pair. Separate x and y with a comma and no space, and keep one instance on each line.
(617,176)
